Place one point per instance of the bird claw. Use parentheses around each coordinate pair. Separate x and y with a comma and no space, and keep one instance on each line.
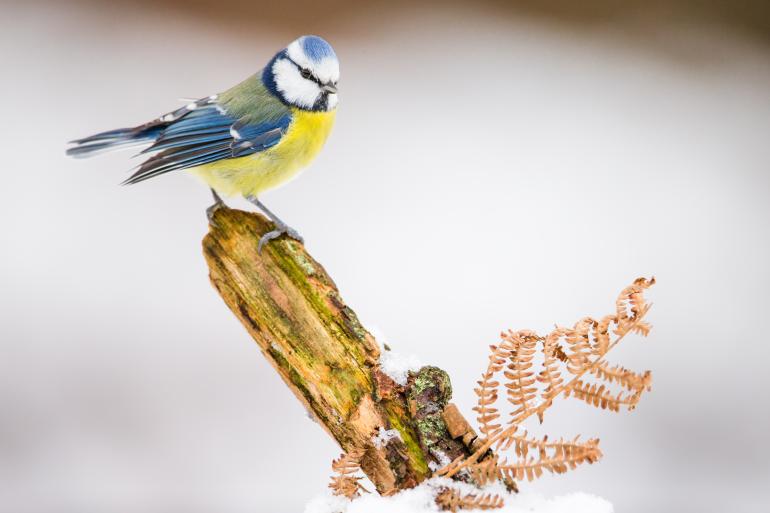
(280,229)
(212,210)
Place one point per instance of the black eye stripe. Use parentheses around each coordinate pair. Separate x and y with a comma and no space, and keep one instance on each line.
(304,71)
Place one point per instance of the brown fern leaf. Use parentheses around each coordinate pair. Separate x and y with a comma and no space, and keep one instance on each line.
(485,471)
(520,442)
(522,445)
(636,297)
(579,345)
(631,306)
(347,486)
(453,500)
(560,354)
(487,390)
(348,462)
(622,376)
(521,387)
(565,456)
(600,396)
(451,468)
(601,335)
(587,343)
(641,328)
(633,400)
(550,375)
(345,483)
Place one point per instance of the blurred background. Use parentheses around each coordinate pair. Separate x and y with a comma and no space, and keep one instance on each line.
(494,165)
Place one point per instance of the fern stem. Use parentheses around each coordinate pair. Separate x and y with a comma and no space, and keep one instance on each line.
(473,458)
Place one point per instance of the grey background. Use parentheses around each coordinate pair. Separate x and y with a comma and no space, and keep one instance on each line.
(492,167)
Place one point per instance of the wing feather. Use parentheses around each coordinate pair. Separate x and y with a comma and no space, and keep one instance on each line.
(208,134)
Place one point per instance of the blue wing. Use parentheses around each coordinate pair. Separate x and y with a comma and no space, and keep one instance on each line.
(207,134)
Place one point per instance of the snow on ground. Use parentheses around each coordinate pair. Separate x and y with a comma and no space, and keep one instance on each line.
(421,500)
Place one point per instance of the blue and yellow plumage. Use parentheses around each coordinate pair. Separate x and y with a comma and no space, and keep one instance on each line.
(251,138)
(266,170)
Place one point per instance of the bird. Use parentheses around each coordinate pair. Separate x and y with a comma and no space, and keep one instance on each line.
(251,138)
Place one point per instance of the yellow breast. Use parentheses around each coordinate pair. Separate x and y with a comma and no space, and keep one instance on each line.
(254,174)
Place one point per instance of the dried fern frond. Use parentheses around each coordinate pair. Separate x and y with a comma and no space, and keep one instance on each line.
(521,378)
(622,376)
(449,499)
(582,352)
(550,375)
(632,299)
(452,468)
(599,396)
(579,346)
(345,483)
(487,390)
(601,335)
(551,456)
(564,456)
(485,472)
(522,445)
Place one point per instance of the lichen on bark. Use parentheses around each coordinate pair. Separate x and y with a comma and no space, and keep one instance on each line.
(428,392)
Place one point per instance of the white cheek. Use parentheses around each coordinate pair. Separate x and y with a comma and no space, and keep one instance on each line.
(295,89)
(332,101)
(328,70)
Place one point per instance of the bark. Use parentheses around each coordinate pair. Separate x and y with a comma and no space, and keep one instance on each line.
(293,310)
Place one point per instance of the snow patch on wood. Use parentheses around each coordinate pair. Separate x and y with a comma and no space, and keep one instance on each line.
(384,436)
(393,364)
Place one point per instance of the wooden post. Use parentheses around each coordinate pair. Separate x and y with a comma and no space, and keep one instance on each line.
(293,310)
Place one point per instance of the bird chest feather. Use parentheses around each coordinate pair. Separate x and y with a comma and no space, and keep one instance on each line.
(305,137)
(251,175)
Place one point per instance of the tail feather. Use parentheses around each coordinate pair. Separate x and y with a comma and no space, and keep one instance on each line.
(113,139)
(136,136)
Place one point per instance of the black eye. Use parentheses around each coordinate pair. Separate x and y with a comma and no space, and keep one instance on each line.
(305,73)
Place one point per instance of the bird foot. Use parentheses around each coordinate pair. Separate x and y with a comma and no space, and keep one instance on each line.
(212,209)
(280,229)
(218,203)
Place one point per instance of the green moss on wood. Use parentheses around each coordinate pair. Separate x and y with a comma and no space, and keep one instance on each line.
(396,419)
(316,342)
(301,259)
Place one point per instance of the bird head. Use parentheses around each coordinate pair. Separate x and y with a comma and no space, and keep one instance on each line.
(305,74)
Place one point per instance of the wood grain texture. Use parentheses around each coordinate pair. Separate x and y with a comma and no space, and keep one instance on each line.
(293,310)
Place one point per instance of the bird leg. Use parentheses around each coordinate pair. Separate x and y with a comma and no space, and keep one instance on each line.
(280,227)
(218,203)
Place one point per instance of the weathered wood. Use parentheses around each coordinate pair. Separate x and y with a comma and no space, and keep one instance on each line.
(428,394)
(293,310)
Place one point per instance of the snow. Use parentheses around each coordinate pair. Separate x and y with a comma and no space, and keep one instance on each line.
(421,500)
(384,436)
(393,364)
(327,504)
(443,460)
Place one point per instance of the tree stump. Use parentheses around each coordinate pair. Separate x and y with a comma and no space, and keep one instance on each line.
(293,310)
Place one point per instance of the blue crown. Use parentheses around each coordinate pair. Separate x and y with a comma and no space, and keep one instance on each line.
(317,49)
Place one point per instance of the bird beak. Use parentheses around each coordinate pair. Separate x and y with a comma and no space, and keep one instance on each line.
(329,88)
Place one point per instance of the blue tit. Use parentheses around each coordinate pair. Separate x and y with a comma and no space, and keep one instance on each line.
(251,138)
